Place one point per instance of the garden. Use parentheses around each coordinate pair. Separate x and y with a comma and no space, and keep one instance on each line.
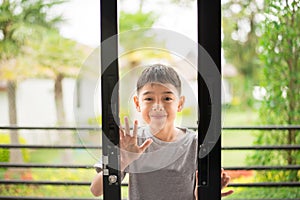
(40,67)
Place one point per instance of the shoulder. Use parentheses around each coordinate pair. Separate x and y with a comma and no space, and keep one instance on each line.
(189,138)
(189,133)
(98,166)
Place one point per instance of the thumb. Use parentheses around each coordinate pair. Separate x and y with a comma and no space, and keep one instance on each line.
(146,144)
(224,194)
(196,186)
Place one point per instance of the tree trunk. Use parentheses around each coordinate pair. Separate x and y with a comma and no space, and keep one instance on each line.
(58,93)
(293,107)
(66,137)
(15,154)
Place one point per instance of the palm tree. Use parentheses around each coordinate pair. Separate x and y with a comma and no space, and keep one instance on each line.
(20,21)
(57,58)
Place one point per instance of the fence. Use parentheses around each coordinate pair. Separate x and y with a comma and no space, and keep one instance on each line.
(69,183)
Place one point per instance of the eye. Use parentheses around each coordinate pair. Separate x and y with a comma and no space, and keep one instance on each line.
(148,99)
(168,98)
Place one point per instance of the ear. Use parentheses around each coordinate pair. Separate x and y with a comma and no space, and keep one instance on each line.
(181,103)
(137,103)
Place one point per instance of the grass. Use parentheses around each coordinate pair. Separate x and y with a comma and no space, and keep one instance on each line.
(45,156)
(237,138)
(47,174)
(264,193)
(233,117)
(238,158)
(46,191)
(89,157)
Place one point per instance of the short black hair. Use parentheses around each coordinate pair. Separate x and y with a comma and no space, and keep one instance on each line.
(159,73)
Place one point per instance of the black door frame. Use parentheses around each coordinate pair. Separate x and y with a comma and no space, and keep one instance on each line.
(209,37)
(110,100)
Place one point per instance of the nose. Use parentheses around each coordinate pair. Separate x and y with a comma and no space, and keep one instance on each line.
(157,107)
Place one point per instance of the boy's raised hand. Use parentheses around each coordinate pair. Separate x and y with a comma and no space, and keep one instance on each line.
(130,150)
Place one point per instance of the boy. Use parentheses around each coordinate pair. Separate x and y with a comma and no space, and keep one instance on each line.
(161,159)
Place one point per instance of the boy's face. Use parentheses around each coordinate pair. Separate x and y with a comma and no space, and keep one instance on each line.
(158,104)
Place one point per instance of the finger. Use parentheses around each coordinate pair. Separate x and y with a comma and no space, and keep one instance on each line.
(121,131)
(224,194)
(225,181)
(146,144)
(121,134)
(225,176)
(222,172)
(135,127)
(196,186)
(127,128)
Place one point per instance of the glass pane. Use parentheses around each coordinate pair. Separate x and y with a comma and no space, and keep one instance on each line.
(152,32)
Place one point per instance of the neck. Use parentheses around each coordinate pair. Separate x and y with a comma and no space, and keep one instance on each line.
(167,134)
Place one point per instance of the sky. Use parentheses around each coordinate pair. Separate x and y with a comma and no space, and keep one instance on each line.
(82,21)
(83,18)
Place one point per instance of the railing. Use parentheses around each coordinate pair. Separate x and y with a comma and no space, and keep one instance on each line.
(97,147)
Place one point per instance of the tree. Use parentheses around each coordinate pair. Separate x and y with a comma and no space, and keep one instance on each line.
(57,58)
(240,23)
(138,21)
(280,45)
(19,21)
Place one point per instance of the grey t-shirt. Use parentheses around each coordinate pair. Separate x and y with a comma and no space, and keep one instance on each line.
(166,170)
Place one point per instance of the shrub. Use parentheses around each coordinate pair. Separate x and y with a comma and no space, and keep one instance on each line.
(4,153)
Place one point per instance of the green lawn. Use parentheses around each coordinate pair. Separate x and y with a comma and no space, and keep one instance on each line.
(233,117)
(237,138)
(89,157)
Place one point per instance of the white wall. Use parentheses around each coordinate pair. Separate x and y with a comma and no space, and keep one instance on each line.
(36,107)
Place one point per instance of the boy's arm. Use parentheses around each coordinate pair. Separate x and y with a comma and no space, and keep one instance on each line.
(97,185)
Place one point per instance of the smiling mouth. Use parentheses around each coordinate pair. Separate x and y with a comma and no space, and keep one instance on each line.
(157,116)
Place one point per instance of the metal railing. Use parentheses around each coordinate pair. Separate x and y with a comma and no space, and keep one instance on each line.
(98,147)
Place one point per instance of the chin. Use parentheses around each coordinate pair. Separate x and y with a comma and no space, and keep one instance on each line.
(157,126)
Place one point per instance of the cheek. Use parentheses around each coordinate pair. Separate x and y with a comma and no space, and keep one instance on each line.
(145,116)
(145,111)
(144,107)
(171,107)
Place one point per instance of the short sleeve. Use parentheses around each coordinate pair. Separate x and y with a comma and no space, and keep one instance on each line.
(98,167)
